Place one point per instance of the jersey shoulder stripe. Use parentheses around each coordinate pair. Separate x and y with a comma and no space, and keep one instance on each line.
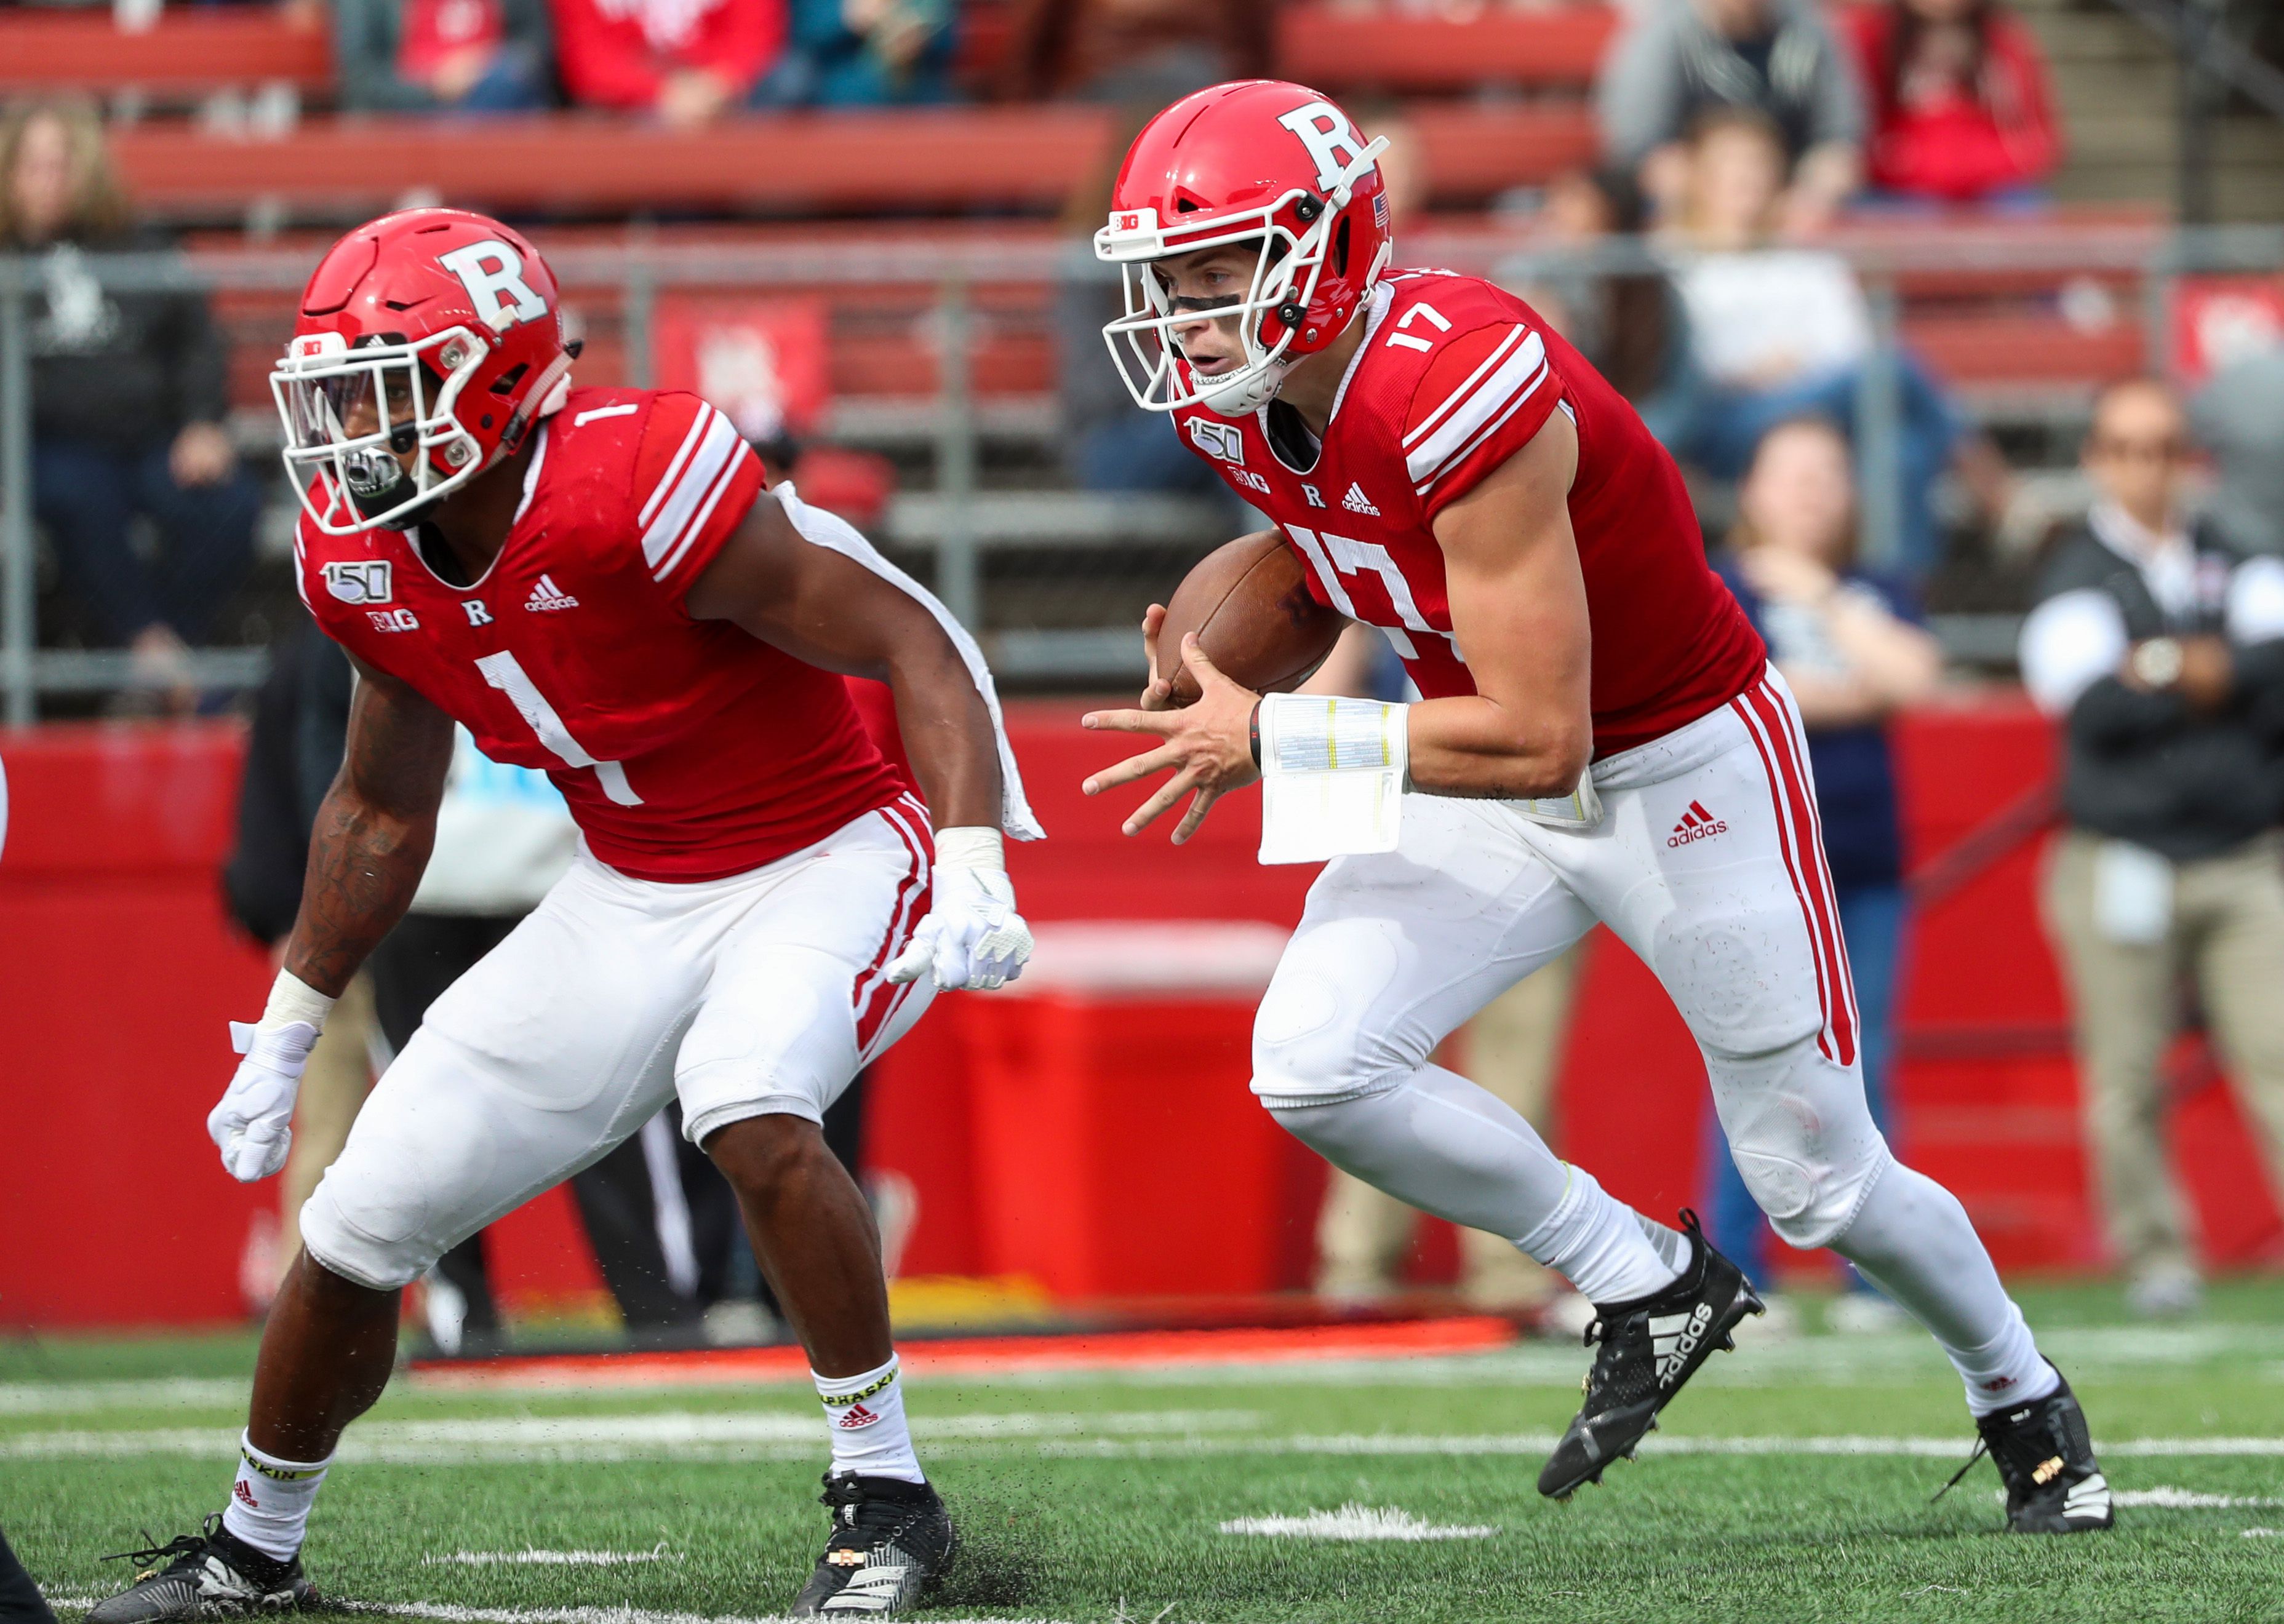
(659,493)
(677,508)
(1484,401)
(1500,352)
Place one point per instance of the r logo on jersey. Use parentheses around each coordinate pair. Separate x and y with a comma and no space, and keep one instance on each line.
(1226,440)
(358,580)
(478,616)
(1332,141)
(493,273)
(1316,497)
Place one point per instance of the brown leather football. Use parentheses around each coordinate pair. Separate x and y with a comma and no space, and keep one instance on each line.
(1248,602)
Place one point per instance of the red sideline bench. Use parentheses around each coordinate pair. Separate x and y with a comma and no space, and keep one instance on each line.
(946,159)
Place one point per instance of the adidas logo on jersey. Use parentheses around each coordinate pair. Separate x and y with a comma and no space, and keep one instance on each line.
(1696,825)
(547,594)
(1357,501)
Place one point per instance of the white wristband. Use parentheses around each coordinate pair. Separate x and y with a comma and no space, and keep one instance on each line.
(972,847)
(1332,774)
(293,999)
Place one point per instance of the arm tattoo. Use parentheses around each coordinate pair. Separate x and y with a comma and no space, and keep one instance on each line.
(373,833)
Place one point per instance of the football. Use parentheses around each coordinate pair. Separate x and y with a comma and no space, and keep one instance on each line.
(1248,602)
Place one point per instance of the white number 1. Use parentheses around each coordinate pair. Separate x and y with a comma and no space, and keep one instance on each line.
(503,672)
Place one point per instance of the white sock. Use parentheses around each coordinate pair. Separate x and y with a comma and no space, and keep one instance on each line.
(1913,1239)
(1600,1244)
(866,1415)
(269,1503)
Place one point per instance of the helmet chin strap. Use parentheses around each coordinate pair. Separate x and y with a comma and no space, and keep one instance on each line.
(1250,390)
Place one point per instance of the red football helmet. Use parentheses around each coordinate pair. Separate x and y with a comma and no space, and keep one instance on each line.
(1254,161)
(430,330)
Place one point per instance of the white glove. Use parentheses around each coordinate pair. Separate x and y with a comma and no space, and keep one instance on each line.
(972,936)
(254,1123)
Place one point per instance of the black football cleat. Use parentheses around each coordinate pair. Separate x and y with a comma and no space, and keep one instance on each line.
(2044,1456)
(210,1574)
(892,1541)
(1649,1347)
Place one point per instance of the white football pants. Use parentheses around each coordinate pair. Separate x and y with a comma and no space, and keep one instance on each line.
(1709,865)
(757,995)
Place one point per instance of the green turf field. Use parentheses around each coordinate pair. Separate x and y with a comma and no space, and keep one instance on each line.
(1792,1481)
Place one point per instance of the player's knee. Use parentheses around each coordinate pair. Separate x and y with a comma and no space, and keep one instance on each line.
(1304,1050)
(1809,1203)
(1804,1140)
(760,1153)
(399,1197)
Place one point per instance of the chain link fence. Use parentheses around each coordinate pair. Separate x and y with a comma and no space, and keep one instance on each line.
(955,361)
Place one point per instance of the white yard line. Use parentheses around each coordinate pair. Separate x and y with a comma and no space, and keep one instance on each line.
(2189,1499)
(1763,1362)
(1141,1434)
(1357,1522)
(448,1613)
(531,1557)
(678,1434)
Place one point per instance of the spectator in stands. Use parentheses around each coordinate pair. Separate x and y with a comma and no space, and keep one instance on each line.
(1130,51)
(684,62)
(418,55)
(1777,57)
(1847,642)
(1779,331)
(2239,417)
(1628,321)
(128,404)
(1959,107)
(2160,649)
(863,53)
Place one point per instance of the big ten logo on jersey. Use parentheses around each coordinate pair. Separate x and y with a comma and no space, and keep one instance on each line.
(1334,145)
(393,619)
(493,273)
(359,580)
(1226,440)
(1249,479)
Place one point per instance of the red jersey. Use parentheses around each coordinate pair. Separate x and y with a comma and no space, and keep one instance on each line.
(619,53)
(1453,377)
(687,749)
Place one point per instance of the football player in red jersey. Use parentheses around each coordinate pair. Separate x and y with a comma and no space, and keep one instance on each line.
(595,582)
(1601,738)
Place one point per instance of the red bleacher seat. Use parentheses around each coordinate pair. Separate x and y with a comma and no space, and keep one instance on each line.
(1340,48)
(185,53)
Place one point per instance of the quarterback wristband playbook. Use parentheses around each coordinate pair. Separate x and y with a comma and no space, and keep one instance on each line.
(1333,775)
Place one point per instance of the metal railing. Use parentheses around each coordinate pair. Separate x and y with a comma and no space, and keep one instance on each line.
(957,524)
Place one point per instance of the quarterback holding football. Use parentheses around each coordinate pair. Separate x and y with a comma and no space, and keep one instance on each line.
(1601,738)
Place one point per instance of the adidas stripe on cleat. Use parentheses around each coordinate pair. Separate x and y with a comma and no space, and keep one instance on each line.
(2045,1455)
(1649,1347)
(212,1574)
(891,1542)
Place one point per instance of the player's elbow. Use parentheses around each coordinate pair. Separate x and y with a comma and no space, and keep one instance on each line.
(1553,763)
